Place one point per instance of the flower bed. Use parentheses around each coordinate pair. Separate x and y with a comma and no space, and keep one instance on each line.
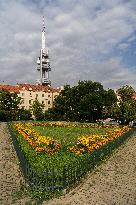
(90,143)
(47,145)
(52,163)
(41,143)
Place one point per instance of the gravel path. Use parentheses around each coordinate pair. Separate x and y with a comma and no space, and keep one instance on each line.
(10,176)
(112,183)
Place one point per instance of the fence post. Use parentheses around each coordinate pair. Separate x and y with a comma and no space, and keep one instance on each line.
(46,179)
(59,178)
(76,170)
(64,177)
(52,179)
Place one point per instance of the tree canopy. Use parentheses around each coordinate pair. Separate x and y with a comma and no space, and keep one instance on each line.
(125,109)
(127,104)
(125,92)
(84,102)
(37,109)
(9,105)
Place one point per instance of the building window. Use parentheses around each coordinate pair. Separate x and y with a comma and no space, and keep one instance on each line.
(42,102)
(49,96)
(48,102)
(42,95)
(30,102)
(22,94)
(36,95)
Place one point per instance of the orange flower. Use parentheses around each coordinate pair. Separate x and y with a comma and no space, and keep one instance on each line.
(39,149)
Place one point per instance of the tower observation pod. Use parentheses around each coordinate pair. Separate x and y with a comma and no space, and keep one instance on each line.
(43,63)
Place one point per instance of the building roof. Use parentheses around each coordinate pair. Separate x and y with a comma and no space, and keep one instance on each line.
(29,87)
(10,88)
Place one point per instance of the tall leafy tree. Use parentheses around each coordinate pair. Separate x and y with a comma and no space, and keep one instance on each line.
(25,114)
(84,102)
(125,109)
(37,109)
(9,101)
(127,104)
(126,92)
(9,105)
(111,108)
(61,105)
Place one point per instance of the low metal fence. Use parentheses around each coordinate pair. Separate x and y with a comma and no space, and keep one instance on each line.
(63,177)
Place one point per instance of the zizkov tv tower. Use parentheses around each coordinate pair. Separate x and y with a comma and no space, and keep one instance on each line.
(43,61)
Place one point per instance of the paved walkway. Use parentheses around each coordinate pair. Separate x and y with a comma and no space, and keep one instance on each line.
(112,183)
(10,175)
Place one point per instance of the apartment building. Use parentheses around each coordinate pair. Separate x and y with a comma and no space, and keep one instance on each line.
(30,92)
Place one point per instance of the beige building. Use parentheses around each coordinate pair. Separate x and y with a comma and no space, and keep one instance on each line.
(30,92)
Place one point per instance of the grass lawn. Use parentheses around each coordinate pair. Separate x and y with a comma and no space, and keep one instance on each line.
(66,136)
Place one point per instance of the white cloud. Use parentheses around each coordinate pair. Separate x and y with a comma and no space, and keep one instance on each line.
(79,36)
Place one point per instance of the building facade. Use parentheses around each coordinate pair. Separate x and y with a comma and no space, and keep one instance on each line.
(30,92)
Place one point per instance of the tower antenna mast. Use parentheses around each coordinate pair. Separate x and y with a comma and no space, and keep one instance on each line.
(43,61)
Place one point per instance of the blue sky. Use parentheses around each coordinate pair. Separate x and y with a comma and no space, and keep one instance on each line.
(88,40)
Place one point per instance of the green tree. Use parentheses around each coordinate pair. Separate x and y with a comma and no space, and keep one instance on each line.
(37,110)
(126,92)
(84,102)
(9,105)
(127,104)
(125,109)
(61,105)
(25,114)
(111,108)
(112,111)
